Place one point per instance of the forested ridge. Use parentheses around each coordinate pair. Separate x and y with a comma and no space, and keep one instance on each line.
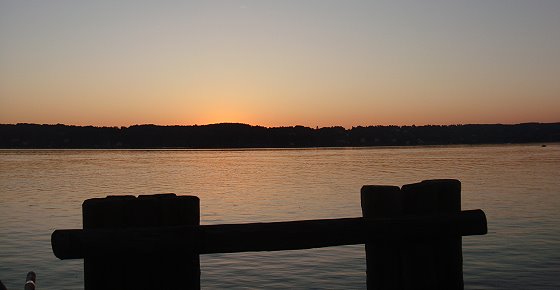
(234,135)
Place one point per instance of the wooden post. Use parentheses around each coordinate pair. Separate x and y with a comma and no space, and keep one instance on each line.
(429,263)
(433,263)
(382,257)
(152,270)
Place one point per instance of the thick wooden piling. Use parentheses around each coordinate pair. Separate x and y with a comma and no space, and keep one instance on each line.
(150,270)
(435,263)
(428,263)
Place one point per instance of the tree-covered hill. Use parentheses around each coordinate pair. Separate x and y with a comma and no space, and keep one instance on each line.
(233,135)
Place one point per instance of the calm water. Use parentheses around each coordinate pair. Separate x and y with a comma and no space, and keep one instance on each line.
(517,186)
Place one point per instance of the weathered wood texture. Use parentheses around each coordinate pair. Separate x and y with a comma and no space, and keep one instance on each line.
(434,263)
(275,236)
(150,270)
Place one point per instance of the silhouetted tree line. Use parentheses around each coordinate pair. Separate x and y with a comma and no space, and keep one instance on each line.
(233,135)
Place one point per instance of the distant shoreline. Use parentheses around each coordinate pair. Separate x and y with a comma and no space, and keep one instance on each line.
(242,136)
(536,144)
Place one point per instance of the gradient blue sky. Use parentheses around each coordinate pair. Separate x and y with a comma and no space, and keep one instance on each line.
(272,63)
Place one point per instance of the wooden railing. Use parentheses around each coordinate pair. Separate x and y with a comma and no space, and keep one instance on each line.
(412,236)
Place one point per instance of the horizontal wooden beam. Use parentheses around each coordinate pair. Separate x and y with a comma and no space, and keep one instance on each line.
(274,236)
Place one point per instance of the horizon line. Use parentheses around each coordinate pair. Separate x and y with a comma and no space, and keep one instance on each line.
(282,126)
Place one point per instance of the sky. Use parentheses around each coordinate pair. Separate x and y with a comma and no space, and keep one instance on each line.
(279,63)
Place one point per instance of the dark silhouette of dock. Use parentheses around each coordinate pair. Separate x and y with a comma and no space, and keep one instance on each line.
(412,236)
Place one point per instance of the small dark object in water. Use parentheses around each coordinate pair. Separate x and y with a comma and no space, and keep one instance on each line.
(30,281)
(543,145)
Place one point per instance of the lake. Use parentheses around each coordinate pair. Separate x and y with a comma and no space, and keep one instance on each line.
(518,186)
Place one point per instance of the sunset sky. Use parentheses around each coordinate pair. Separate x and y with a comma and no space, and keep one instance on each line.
(279,63)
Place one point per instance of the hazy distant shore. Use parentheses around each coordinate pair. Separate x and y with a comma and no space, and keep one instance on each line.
(233,135)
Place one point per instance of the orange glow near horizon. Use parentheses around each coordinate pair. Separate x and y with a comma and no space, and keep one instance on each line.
(279,64)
